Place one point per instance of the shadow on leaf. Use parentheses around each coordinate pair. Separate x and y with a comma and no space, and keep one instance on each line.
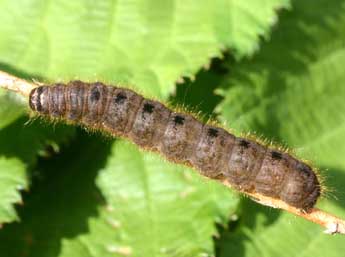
(290,52)
(25,141)
(19,73)
(62,200)
(198,95)
(334,182)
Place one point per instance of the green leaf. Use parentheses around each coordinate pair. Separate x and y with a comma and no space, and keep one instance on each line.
(11,107)
(292,91)
(23,143)
(25,139)
(149,44)
(153,209)
(268,232)
(12,179)
(149,207)
(62,198)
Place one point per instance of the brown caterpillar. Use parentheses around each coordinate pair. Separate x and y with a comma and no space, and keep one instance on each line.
(247,165)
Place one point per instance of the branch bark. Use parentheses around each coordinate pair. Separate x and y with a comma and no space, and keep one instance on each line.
(331,223)
(15,84)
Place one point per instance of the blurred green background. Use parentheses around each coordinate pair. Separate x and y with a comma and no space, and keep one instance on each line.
(274,68)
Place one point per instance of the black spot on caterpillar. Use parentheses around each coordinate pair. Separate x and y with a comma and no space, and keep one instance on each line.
(247,165)
(244,143)
(212,132)
(276,155)
(148,108)
(120,98)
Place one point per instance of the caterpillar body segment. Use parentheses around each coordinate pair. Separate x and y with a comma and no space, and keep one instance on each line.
(246,164)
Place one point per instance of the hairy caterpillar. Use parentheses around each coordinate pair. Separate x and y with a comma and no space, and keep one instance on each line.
(247,165)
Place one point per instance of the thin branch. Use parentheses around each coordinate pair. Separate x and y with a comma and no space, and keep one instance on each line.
(15,84)
(332,223)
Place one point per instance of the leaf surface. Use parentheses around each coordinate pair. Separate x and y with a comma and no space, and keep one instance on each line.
(292,91)
(11,107)
(140,206)
(154,209)
(20,145)
(12,179)
(149,44)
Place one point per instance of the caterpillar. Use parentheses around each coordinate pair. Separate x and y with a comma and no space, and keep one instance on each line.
(244,163)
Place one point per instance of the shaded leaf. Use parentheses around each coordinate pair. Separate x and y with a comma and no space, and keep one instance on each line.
(25,139)
(150,207)
(62,198)
(11,107)
(292,92)
(21,144)
(153,209)
(12,179)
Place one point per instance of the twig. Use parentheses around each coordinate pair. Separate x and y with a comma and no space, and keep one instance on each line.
(332,224)
(18,85)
